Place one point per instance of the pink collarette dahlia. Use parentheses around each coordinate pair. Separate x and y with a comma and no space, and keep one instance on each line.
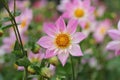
(115,44)
(101,30)
(80,10)
(62,40)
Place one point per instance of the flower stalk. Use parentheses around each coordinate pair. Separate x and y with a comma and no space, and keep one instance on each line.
(17,33)
(72,67)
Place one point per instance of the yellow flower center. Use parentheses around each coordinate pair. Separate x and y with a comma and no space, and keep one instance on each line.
(23,23)
(79,13)
(62,41)
(102,30)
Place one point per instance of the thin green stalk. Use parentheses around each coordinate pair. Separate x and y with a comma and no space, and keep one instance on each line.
(25,74)
(17,34)
(14,7)
(73,73)
(16,28)
(13,25)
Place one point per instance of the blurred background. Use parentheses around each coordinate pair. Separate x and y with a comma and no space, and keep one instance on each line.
(96,64)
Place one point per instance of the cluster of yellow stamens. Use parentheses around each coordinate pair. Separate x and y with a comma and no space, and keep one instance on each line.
(62,40)
(79,13)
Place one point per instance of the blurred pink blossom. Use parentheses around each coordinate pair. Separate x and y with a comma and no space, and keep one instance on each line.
(80,10)
(115,44)
(101,30)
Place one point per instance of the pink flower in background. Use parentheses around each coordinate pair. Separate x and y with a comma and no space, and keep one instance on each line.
(115,44)
(62,5)
(8,42)
(39,3)
(20,5)
(79,10)
(89,27)
(101,30)
(100,10)
(24,19)
(61,40)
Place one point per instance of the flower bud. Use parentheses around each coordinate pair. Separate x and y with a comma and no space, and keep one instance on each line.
(46,72)
(35,49)
(31,70)
(54,61)
(1,32)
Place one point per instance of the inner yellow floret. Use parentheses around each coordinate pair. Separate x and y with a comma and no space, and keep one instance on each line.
(62,41)
(102,30)
(23,23)
(79,13)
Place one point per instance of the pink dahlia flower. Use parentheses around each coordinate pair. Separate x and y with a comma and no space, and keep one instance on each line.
(24,19)
(80,10)
(115,44)
(61,40)
(101,30)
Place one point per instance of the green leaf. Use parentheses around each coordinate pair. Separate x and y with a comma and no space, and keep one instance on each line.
(18,54)
(17,45)
(8,26)
(17,13)
(5,19)
(23,62)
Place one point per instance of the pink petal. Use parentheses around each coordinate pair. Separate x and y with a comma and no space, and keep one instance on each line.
(78,37)
(119,25)
(72,26)
(87,3)
(63,57)
(50,29)
(50,53)
(45,42)
(76,50)
(60,23)
(113,45)
(114,34)
(66,15)
(117,52)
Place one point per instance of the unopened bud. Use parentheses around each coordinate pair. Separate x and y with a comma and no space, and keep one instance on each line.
(46,72)
(1,32)
(35,49)
(31,70)
(54,61)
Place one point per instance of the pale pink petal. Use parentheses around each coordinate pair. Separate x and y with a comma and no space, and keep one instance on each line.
(45,42)
(119,25)
(72,26)
(21,68)
(82,24)
(60,24)
(113,45)
(76,50)
(50,29)
(78,37)
(50,53)
(87,3)
(117,52)
(65,15)
(114,34)
(63,57)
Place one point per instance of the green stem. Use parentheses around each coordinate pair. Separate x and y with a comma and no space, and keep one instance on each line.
(15,27)
(25,74)
(17,34)
(73,73)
